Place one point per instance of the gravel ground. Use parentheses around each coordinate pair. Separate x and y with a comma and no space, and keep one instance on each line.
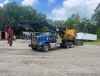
(20,60)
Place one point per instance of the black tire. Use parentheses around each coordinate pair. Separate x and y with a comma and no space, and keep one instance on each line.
(33,48)
(79,43)
(71,45)
(45,48)
(66,45)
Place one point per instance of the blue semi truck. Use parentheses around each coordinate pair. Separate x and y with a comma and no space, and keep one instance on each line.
(45,40)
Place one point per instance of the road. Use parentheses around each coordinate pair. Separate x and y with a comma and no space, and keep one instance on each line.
(20,60)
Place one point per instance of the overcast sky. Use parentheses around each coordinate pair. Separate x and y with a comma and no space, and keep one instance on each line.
(60,9)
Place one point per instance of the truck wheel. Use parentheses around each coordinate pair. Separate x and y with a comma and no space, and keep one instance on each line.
(71,45)
(33,48)
(45,48)
(79,43)
(66,45)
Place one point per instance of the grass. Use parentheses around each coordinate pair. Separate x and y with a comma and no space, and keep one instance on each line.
(97,42)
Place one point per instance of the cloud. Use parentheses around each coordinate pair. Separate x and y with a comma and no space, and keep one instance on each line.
(51,1)
(1,5)
(85,8)
(29,2)
(5,2)
(23,2)
(91,4)
(58,14)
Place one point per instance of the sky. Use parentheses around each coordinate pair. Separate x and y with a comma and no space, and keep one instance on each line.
(59,9)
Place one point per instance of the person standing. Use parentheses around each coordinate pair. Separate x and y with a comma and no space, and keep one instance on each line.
(10,34)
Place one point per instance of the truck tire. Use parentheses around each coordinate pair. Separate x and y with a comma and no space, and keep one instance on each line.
(66,45)
(70,45)
(79,43)
(45,48)
(33,48)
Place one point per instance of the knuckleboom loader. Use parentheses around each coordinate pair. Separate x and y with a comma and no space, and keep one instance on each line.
(68,36)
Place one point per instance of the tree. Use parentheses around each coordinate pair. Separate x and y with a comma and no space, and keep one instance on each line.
(73,20)
(87,26)
(16,15)
(96,18)
(44,29)
(2,18)
(98,32)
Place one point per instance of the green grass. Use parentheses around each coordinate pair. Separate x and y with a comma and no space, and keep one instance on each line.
(97,42)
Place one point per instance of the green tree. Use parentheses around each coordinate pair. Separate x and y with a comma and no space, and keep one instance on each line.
(87,26)
(20,16)
(98,32)
(96,18)
(73,20)
(44,29)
